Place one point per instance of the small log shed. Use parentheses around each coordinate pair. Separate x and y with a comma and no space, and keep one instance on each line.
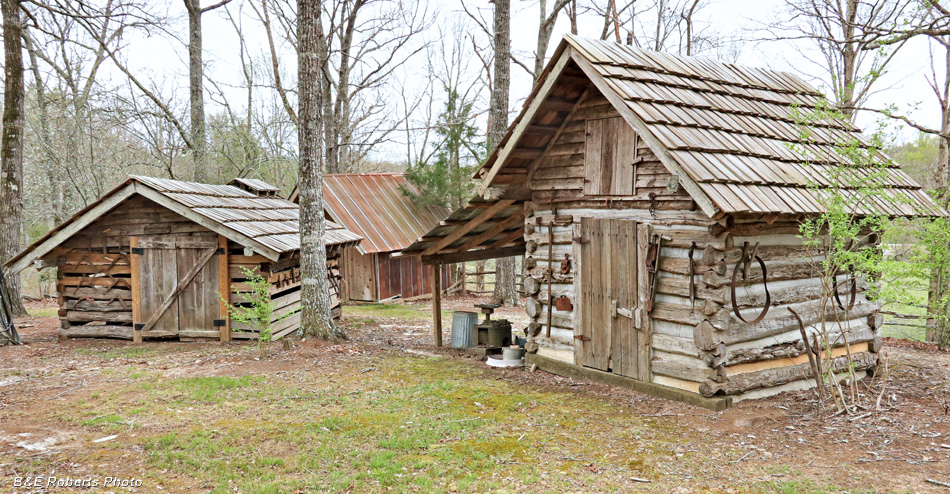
(637,183)
(150,258)
(376,207)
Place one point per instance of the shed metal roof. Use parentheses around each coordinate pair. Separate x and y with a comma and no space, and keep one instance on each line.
(374,206)
(269,225)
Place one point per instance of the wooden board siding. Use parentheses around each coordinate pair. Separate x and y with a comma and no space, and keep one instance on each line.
(609,157)
(284,277)
(405,277)
(561,174)
(94,275)
(360,275)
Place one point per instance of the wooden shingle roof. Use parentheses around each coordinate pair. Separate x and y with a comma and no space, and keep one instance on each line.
(725,130)
(268,225)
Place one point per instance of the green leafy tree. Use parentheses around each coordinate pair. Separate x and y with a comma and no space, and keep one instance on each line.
(842,241)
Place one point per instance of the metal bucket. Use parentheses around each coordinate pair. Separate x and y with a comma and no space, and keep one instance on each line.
(463,335)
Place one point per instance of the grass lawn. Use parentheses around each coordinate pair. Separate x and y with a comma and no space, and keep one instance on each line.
(43,312)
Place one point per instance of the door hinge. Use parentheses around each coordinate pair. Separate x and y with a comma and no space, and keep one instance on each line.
(220,322)
(581,337)
(138,250)
(138,327)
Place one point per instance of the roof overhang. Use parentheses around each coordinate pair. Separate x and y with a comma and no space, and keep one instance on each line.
(482,229)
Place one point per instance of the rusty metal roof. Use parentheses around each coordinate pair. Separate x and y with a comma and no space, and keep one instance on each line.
(269,225)
(727,131)
(374,206)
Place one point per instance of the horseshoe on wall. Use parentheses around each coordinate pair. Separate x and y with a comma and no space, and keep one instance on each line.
(854,293)
(744,265)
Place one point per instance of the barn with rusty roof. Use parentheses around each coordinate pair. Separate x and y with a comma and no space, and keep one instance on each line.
(150,258)
(658,201)
(376,207)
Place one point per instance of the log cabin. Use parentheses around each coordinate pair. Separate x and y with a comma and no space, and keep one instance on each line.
(637,184)
(376,207)
(160,258)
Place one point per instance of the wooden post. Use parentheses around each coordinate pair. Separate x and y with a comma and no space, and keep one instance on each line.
(136,290)
(437,303)
(224,287)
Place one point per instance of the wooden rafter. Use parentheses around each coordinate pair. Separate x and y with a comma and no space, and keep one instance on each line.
(507,239)
(525,119)
(491,232)
(471,225)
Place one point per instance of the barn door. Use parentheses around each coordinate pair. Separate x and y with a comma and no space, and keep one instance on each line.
(198,304)
(177,286)
(610,335)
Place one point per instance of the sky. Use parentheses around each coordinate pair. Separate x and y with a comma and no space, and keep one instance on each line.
(904,85)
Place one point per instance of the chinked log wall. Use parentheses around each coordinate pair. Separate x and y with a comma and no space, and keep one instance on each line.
(697,345)
(771,354)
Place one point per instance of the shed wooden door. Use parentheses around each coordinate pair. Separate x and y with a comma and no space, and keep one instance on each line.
(609,338)
(188,307)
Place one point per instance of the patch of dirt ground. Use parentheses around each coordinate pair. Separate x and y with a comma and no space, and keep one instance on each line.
(58,398)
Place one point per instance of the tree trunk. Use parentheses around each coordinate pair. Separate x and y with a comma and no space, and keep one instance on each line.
(938,305)
(196,92)
(505,291)
(11,148)
(52,166)
(316,319)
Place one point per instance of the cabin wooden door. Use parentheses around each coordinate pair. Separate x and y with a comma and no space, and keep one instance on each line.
(610,336)
(177,286)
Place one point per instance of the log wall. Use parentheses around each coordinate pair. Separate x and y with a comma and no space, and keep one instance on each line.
(698,345)
(94,273)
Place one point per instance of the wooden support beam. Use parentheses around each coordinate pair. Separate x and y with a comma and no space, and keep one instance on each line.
(526,153)
(474,255)
(507,239)
(516,192)
(437,303)
(558,104)
(136,290)
(543,130)
(464,229)
(224,287)
(495,230)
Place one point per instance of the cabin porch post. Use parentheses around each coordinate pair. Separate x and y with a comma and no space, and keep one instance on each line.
(437,303)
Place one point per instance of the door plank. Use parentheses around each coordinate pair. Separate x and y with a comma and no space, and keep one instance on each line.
(172,298)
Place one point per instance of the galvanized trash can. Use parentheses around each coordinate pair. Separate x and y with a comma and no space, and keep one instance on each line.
(463,324)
